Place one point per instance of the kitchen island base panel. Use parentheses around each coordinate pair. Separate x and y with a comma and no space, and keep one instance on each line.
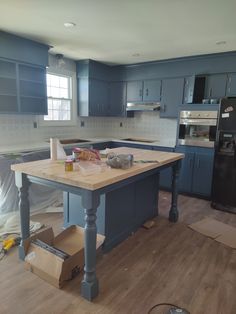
(174,212)
(121,211)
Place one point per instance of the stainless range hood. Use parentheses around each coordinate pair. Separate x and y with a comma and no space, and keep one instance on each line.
(141,106)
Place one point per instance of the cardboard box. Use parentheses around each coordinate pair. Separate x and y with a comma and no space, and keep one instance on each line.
(50,267)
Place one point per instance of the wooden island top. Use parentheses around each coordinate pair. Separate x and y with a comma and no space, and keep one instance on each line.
(55,170)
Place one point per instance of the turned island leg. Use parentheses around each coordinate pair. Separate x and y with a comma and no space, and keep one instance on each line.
(22,184)
(89,285)
(173,213)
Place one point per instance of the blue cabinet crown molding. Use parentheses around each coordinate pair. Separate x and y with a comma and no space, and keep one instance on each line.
(23,50)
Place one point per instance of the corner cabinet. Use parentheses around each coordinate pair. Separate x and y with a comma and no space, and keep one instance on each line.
(22,88)
(148,90)
(171,97)
(117,99)
(196,171)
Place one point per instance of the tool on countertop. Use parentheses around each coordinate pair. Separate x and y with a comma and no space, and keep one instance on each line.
(146,161)
(7,244)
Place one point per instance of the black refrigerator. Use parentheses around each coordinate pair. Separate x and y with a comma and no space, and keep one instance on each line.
(224,171)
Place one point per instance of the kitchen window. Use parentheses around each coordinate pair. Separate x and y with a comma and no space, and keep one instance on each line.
(61,103)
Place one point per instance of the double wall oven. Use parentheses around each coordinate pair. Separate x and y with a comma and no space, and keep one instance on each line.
(197,128)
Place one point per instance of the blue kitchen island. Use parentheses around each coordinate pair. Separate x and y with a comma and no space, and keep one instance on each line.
(136,187)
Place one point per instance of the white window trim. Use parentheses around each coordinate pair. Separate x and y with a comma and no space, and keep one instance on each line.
(73,121)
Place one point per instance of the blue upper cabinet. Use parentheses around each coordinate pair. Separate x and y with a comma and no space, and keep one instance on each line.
(148,90)
(22,88)
(24,50)
(215,86)
(98,98)
(171,97)
(8,87)
(152,90)
(231,85)
(22,75)
(134,91)
(117,99)
(32,89)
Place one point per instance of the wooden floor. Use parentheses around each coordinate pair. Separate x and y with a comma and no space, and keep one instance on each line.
(168,263)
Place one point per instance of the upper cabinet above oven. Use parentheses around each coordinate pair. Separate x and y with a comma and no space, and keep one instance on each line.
(194,88)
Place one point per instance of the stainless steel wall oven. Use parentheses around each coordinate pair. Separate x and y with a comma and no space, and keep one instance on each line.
(197,128)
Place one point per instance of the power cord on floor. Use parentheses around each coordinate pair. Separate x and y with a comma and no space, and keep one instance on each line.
(175,310)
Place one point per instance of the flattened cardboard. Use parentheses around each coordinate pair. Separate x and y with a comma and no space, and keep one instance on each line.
(52,268)
(216,230)
(228,239)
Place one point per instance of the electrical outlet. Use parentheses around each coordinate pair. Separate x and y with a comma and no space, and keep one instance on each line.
(35,124)
(121,124)
(82,123)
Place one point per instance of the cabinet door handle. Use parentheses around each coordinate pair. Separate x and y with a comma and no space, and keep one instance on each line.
(146,91)
(140,92)
(210,92)
(198,163)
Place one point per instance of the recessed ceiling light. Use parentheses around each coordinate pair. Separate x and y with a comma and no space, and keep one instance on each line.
(136,54)
(69,24)
(222,42)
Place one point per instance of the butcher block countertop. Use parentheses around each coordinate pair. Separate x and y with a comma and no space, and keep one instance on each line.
(55,170)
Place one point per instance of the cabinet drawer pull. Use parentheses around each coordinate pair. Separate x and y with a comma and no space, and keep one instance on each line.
(146,91)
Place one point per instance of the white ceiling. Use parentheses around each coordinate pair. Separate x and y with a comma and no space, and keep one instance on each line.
(112,31)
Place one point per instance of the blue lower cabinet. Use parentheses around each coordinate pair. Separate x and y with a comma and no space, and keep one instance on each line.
(101,146)
(120,212)
(196,170)
(202,173)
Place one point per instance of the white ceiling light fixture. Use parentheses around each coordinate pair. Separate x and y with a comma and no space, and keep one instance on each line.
(136,54)
(60,60)
(222,42)
(69,24)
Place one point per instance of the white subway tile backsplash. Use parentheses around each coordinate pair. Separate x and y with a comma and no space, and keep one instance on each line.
(18,129)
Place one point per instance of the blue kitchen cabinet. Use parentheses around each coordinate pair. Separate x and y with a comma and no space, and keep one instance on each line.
(142,91)
(117,99)
(202,173)
(22,88)
(102,145)
(231,85)
(152,90)
(196,170)
(134,91)
(133,145)
(215,86)
(98,98)
(171,97)
(32,89)
(92,97)
(8,87)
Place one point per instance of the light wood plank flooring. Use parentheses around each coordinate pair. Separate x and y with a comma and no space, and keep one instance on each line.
(167,263)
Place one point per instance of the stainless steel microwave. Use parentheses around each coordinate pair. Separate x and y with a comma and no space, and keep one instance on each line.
(197,128)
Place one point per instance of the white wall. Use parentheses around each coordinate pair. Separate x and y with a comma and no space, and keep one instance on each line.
(19,129)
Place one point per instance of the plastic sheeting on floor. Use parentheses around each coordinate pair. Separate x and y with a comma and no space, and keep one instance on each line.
(41,198)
